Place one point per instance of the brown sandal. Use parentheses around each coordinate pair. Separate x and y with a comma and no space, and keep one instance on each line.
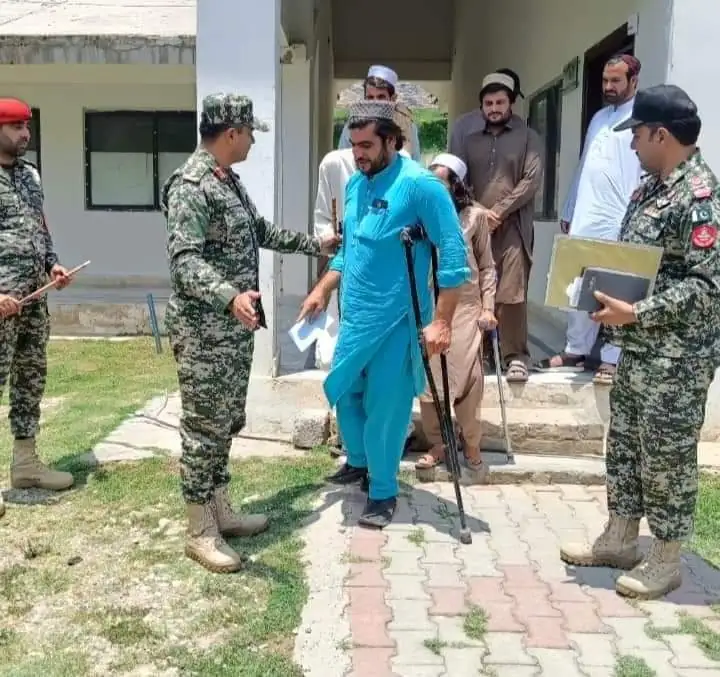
(605,375)
(434,457)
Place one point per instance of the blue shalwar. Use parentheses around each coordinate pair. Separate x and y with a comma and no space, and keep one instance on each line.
(377,367)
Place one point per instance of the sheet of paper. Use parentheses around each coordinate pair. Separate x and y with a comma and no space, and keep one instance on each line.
(306,332)
(573,291)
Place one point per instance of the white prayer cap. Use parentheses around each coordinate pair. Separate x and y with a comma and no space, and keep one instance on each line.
(452,162)
(384,73)
(498,79)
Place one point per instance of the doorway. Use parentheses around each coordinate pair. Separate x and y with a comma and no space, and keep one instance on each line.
(618,42)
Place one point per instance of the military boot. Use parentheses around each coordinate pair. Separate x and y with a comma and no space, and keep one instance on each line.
(656,576)
(230,523)
(204,543)
(28,472)
(616,547)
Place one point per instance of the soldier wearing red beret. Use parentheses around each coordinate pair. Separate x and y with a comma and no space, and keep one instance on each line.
(27,259)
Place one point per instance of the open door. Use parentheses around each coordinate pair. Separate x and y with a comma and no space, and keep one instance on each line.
(618,42)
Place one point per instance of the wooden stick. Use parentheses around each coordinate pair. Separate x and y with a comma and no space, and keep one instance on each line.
(50,285)
(334,216)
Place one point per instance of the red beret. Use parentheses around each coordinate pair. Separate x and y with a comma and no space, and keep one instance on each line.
(14,110)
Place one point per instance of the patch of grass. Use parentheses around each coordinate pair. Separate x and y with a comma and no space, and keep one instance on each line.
(120,626)
(99,383)
(21,587)
(632,666)
(706,538)
(435,645)
(475,623)
(416,536)
(707,640)
(55,664)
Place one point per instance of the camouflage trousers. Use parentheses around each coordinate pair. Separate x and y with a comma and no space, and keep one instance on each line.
(213,377)
(657,408)
(23,359)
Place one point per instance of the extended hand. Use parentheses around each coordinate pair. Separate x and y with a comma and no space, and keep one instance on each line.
(437,337)
(243,308)
(317,301)
(615,313)
(329,243)
(59,275)
(8,306)
(487,320)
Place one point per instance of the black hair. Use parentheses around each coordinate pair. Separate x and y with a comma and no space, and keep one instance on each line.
(378,83)
(685,131)
(210,132)
(383,128)
(494,88)
(633,64)
(462,194)
(516,79)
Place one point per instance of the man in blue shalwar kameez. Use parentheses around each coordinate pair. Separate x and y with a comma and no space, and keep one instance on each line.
(377,367)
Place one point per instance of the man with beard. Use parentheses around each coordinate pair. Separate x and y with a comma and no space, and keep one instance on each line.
(671,349)
(377,368)
(607,175)
(504,162)
(27,259)
(474,121)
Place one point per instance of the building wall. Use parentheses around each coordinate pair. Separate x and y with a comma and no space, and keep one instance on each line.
(537,47)
(119,244)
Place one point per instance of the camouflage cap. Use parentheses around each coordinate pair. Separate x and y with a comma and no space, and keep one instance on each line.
(233,110)
(371,110)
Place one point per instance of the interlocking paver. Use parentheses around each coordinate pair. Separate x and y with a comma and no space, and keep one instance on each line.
(556,662)
(408,594)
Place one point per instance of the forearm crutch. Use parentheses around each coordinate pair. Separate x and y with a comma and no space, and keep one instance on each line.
(410,235)
(501,394)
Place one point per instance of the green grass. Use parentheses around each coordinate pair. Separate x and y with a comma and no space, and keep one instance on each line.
(475,623)
(97,580)
(706,539)
(632,666)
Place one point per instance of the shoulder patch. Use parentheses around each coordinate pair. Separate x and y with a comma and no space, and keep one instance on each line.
(704,236)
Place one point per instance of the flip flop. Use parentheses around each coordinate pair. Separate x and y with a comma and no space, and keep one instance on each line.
(432,458)
(517,372)
(605,375)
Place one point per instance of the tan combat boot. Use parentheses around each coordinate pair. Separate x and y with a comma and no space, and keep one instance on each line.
(230,523)
(204,543)
(27,472)
(656,576)
(616,547)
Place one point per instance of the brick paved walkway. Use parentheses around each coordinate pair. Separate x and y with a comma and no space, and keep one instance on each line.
(416,598)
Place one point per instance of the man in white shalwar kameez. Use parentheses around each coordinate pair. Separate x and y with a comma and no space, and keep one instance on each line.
(608,173)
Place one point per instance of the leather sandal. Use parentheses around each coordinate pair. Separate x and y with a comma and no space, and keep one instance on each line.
(432,458)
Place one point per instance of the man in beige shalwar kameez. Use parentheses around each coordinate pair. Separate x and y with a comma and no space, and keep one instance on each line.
(475,309)
(504,163)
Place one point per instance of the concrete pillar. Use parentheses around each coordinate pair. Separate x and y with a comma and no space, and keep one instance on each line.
(296,174)
(238,49)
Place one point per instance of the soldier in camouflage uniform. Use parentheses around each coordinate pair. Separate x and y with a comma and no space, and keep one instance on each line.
(27,258)
(671,349)
(214,236)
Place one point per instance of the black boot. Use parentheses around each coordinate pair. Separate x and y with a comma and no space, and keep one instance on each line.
(347,474)
(378,514)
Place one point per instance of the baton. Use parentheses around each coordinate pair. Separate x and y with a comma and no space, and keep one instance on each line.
(50,285)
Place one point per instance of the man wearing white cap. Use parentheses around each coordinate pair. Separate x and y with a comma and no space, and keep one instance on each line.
(505,166)
(379,85)
(475,309)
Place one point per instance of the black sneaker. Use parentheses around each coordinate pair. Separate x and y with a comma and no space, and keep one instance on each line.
(347,474)
(365,484)
(378,514)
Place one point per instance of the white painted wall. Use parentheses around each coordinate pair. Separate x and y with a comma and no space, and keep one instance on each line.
(537,39)
(120,244)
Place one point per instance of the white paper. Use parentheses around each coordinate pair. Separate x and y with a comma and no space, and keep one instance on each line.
(307,331)
(573,292)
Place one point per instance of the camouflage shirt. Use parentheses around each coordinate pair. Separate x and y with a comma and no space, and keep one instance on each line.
(681,214)
(214,233)
(26,246)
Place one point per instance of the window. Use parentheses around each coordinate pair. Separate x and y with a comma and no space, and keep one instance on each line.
(33,150)
(545,118)
(130,155)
